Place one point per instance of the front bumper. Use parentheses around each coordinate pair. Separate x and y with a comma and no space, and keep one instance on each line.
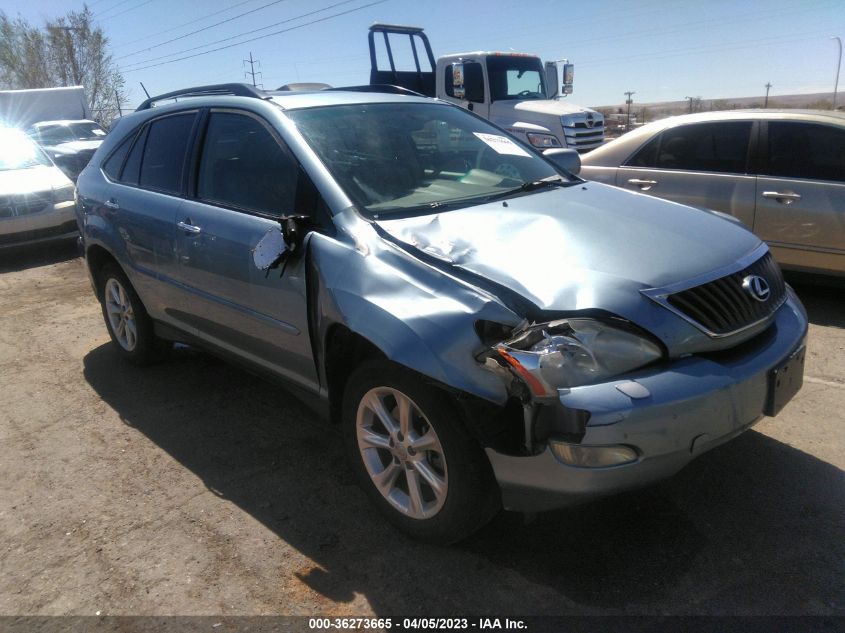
(695,404)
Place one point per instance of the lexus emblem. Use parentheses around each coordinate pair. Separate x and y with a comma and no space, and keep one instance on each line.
(757,287)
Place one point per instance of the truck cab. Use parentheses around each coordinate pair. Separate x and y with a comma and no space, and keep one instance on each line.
(513,90)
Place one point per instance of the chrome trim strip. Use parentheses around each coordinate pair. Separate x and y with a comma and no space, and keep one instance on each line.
(659,295)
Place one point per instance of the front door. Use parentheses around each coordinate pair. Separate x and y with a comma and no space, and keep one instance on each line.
(801,195)
(246,180)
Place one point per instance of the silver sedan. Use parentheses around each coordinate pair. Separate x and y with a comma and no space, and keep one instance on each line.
(781,172)
(36,198)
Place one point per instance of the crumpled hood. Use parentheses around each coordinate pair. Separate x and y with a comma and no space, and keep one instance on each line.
(34,179)
(588,246)
(550,106)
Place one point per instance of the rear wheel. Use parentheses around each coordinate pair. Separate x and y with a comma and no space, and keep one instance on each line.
(127,321)
(413,457)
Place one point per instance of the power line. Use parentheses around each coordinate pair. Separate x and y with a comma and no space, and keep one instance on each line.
(261,37)
(227,39)
(205,28)
(679,52)
(179,26)
(114,6)
(114,15)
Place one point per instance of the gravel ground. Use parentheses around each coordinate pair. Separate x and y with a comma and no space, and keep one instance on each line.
(194,488)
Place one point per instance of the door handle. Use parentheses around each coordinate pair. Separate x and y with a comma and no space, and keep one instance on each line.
(189,228)
(111,203)
(784,197)
(644,185)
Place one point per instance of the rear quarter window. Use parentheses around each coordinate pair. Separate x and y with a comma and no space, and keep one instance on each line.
(114,163)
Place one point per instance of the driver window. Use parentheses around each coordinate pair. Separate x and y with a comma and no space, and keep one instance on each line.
(244,166)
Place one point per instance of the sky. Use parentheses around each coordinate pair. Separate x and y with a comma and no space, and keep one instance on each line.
(663,50)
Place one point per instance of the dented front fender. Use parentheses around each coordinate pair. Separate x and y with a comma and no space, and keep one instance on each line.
(418,315)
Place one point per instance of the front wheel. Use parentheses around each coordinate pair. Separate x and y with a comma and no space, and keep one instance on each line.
(413,457)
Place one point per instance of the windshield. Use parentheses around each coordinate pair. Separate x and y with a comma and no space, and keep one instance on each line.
(66,133)
(19,152)
(393,158)
(515,78)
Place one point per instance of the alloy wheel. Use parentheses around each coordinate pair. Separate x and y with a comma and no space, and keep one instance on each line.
(402,453)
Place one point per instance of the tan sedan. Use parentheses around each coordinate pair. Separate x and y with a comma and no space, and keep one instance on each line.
(781,172)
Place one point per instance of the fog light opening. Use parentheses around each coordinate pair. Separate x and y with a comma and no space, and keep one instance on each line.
(593,456)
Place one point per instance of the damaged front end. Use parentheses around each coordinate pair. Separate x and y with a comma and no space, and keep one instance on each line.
(539,360)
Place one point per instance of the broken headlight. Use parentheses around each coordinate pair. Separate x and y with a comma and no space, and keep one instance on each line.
(574,352)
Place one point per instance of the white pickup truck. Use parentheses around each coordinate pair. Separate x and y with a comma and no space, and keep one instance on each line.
(513,90)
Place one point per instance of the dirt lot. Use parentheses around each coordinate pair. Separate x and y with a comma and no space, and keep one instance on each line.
(194,488)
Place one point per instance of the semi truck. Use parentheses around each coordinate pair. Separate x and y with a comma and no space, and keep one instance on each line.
(516,91)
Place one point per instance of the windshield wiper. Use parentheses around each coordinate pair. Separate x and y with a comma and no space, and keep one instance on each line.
(525,187)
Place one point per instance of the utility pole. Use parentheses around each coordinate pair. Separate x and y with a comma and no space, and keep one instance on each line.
(766,102)
(628,103)
(838,64)
(690,99)
(251,72)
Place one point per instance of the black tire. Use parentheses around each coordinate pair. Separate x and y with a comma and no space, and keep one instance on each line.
(148,348)
(472,497)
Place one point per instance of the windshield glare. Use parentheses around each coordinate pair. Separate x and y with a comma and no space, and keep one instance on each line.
(515,78)
(394,158)
(66,133)
(19,152)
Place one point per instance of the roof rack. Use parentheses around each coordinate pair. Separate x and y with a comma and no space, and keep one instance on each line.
(237,90)
(384,88)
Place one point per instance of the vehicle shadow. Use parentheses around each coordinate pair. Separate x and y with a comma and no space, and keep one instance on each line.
(754,526)
(824,298)
(23,257)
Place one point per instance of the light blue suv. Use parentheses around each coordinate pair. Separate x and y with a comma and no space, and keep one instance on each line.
(487,328)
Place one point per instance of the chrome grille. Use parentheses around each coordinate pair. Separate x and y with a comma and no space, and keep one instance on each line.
(723,306)
(582,132)
(25,203)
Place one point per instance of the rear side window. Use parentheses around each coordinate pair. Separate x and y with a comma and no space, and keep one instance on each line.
(806,150)
(164,153)
(712,147)
(244,166)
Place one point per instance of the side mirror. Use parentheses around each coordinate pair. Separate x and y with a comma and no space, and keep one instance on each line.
(270,250)
(568,159)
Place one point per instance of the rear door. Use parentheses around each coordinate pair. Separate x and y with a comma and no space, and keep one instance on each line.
(245,180)
(699,164)
(801,194)
(147,190)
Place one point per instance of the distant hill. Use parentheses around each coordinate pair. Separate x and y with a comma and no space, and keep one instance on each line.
(660,109)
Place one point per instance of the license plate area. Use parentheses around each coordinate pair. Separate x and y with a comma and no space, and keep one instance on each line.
(784,381)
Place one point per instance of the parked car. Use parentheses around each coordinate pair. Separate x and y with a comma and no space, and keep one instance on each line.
(36,198)
(781,172)
(486,328)
(70,144)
